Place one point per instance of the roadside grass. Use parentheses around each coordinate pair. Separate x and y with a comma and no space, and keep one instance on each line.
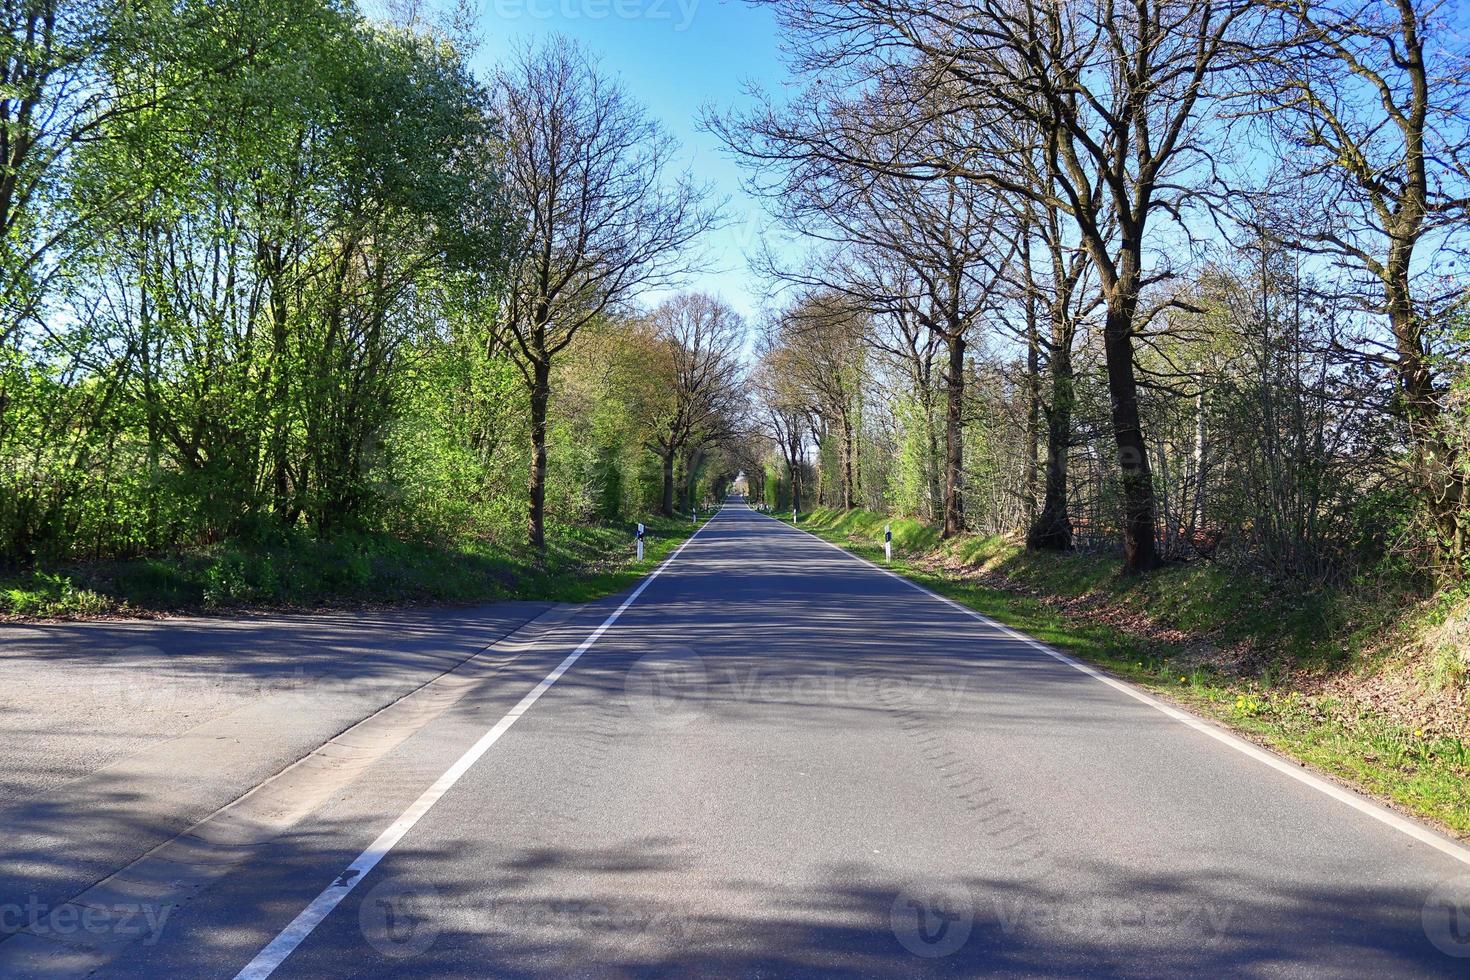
(1293,639)
(299,571)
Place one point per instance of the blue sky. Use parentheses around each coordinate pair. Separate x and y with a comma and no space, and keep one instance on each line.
(675,56)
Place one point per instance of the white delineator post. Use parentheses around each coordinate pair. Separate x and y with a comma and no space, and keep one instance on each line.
(888,543)
(639,538)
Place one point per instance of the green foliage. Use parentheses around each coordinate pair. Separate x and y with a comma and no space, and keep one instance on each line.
(42,594)
(910,536)
(266,373)
(238,337)
(301,571)
(777,491)
(913,481)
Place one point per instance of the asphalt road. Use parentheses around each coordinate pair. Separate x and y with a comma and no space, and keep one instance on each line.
(776,761)
(116,736)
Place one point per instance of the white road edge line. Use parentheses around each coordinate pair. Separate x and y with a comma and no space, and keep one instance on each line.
(274,954)
(1363,805)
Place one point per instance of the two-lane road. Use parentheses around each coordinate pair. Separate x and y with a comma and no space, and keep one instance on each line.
(778,760)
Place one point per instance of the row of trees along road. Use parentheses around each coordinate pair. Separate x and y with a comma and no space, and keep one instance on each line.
(1181,275)
(1184,274)
(269,267)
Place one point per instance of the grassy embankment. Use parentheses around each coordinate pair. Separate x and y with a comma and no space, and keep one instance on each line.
(1366,683)
(303,572)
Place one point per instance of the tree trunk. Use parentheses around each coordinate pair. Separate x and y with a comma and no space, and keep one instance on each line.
(1135,478)
(954,436)
(1052,529)
(688,486)
(1440,477)
(540,396)
(1197,506)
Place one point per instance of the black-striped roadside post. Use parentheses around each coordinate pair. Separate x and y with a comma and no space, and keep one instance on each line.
(888,543)
(639,538)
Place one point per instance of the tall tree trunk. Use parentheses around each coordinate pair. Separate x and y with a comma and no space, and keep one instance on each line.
(1440,476)
(1139,551)
(1052,530)
(540,396)
(954,437)
(1197,506)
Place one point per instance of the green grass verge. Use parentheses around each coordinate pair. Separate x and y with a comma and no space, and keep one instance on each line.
(304,572)
(1424,773)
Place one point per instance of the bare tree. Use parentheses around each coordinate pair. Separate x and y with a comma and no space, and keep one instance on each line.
(1058,283)
(1112,90)
(1371,99)
(822,338)
(704,337)
(782,409)
(601,216)
(750,450)
(927,255)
